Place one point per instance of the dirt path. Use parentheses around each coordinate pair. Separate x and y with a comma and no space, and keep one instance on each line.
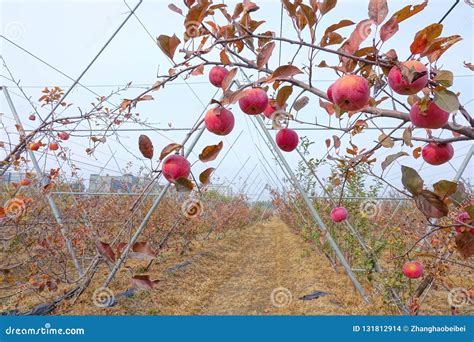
(262,269)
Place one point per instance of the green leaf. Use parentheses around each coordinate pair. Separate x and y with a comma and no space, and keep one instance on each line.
(446,100)
(431,204)
(183,184)
(444,77)
(411,180)
(470,210)
(391,158)
(445,188)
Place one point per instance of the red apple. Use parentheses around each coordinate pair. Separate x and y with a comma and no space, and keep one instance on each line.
(25,182)
(329,92)
(63,135)
(437,154)
(400,84)
(53,146)
(219,120)
(433,117)
(413,269)
(217,75)
(34,146)
(174,167)
(351,92)
(254,101)
(339,214)
(32,117)
(287,139)
(270,109)
(464,217)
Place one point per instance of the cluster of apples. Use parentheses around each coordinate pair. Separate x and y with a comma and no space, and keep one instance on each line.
(351,93)
(254,101)
(52,146)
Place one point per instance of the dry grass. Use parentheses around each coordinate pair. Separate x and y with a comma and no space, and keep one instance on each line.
(237,276)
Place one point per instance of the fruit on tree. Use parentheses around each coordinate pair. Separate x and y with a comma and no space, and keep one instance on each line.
(412,269)
(339,214)
(399,82)
(217,75)
(34,146)
(329,92)
(254,101)
(269,110)
(63,135)
(175,166)
(53,146)
(219,120)
(432,117)
(351,92)
(287,139)
(437,154)
(32,117)
(464,217)
(25,182)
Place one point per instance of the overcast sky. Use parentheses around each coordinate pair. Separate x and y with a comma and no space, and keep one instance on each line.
(68,34)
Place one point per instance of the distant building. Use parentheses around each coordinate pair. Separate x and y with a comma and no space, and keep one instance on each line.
(124,183)
(12,177)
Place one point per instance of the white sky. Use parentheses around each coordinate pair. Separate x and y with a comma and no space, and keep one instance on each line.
(68,34)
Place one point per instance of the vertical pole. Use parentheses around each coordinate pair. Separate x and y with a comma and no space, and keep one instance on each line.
(464,164)
(147,217)
(43,182)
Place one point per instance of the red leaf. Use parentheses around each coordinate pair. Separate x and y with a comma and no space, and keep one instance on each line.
(389,29)
(209,153)
(198,71)
(328,106)
(205,176)
(378,10)
(168,44)
(465,244)
(326,5)
(146,146)
(227,81)
(284,71)
(425,37)
(168,149)
(175,8)
(265,54)
(105,250)
(143,282)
